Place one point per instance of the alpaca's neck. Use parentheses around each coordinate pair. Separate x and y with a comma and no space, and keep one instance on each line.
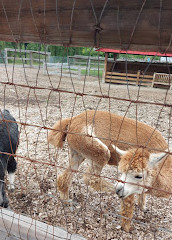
(161,178)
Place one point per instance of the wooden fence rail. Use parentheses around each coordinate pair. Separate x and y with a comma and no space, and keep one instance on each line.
(16,226)
(31,53)
(61,69)
(128,78)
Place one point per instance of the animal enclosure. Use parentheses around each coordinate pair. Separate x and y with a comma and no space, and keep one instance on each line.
(33,99)
(157,73)
(38,208)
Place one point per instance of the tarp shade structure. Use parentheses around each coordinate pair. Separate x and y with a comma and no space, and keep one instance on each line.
(107,50)
(127,25)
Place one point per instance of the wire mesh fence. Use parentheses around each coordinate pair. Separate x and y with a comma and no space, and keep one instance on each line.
(92,187)
(37,101)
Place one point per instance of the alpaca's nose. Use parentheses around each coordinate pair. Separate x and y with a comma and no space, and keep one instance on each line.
(120,190)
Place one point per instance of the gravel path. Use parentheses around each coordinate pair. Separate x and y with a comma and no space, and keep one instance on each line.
(94,215)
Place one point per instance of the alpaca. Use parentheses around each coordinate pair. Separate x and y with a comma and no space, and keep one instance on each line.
(94,135)
(142,173)
(9,140)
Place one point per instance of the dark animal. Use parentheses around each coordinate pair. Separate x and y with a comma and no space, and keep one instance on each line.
(9,140)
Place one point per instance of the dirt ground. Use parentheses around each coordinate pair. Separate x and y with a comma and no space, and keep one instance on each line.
(35,105)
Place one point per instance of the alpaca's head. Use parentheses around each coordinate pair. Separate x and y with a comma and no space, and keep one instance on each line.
(136,166)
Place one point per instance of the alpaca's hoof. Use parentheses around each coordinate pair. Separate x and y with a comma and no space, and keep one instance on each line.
(67,202)
(64,196)
(127,229)
(11,187)
(126,226)
(68,205)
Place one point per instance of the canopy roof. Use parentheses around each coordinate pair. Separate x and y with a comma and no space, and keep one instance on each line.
(134,52)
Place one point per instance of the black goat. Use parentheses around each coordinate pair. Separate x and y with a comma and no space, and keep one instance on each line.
(9,140)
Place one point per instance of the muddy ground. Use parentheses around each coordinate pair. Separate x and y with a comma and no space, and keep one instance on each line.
(35,105)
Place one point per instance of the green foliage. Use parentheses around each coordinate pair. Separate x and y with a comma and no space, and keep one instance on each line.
(91,52)
(63,51)
(59,51)
(7,45)
(71,51)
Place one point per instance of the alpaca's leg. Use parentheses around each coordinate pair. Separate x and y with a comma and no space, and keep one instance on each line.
(98,159)
(65,179)
(93,179)
(127,208)
(142,201)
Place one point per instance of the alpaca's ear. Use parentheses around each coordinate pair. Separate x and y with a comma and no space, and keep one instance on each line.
(155,158)
(119,151)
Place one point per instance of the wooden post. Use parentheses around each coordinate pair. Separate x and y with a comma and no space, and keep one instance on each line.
(44,67)
(153,79)
(31,59)
(105,68)
(115,56)
(18,226)
(89,62)
(79,71)
(5,57)
(68,60)
(49,54)
(138,78)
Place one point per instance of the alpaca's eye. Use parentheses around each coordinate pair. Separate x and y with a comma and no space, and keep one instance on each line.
(138,176)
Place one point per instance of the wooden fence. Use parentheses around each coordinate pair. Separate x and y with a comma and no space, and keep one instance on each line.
(87,62)
(16,226)
(61,69)
(128,78)
(25,56)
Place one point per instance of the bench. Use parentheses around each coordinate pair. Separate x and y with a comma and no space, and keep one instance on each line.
(162,80)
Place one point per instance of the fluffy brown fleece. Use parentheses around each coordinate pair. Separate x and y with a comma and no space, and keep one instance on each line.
(92,134)
(127,208)
(135,160)
(57,136)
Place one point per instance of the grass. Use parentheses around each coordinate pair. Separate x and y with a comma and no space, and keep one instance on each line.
(94,73)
